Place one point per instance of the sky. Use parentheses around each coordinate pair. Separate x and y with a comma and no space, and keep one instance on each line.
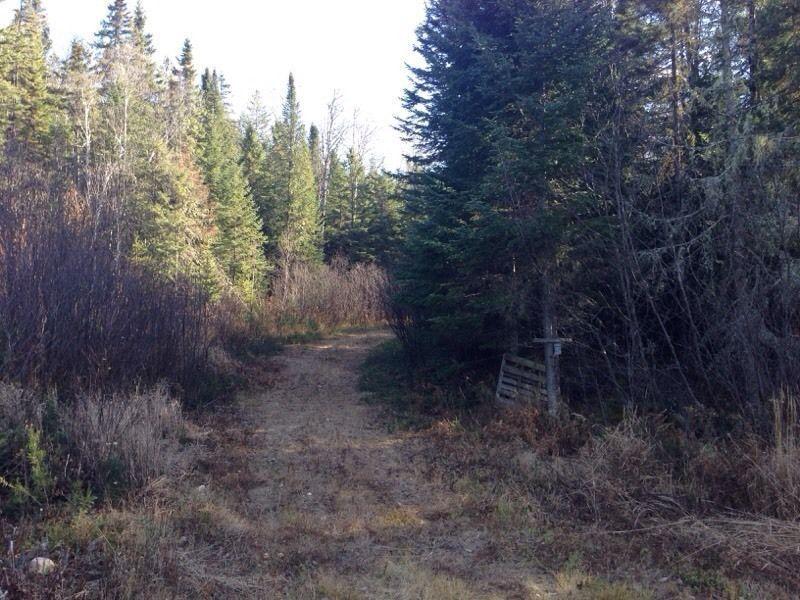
(357,47)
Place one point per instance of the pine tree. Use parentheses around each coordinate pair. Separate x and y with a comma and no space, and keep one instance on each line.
(26,103)
(498,152)
(186,63)
(182,102)
(336,216)
(117,27)
(176,234)
(253,166)
(257,116)
(141,38)
(291,214)
(369,230)
(29,8)
(315,149)
(238,246)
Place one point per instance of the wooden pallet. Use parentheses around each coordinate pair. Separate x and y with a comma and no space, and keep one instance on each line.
(521,381)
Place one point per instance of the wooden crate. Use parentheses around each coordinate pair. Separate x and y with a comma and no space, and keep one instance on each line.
(521,381)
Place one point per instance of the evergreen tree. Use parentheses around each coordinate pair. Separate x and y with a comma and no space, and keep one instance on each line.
(370,230)
(176,234)
(182,103)
(315,149)
(238,246)
(257,116)
(186,62)
(253,166)
(290,211)
(498,130)
(336,216)
(141,38)
(117,27)
(26,103)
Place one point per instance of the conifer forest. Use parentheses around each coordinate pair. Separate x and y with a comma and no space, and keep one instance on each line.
(556,354)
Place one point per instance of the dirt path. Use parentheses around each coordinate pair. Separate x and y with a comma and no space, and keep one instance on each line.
(349,510)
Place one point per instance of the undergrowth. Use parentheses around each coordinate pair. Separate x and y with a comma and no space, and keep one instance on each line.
(718,513)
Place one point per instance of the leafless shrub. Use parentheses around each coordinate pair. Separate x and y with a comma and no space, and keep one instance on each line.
(74,312)
(19,408)
(131,436)
(330,296)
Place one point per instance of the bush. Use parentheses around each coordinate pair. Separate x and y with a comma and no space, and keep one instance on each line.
(326,297)
(106,444)
(123,440)
(75,313)
(731,501)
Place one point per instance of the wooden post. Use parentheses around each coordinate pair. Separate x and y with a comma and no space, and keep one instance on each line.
(550,357)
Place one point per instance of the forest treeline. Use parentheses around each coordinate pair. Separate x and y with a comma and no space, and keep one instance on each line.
(630,168)
(152,243)
(128,185)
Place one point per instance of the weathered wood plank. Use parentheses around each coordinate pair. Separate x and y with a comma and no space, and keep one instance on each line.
(533,375)
(522,385)
(520,380)
(508,359)
(518,392)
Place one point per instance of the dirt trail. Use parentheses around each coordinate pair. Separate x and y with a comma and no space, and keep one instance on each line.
(349,510)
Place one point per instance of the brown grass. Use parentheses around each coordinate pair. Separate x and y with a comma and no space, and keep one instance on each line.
(136,434)
(644,487)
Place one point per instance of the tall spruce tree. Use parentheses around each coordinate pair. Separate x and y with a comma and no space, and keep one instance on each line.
(117,27)
(254,164)
(26,103)
(290,211)
(238,246)
(186,62)
(498,131)
(141,37)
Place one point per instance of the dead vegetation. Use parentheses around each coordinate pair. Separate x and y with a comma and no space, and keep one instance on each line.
(304,491)
(639,497)
(323,298)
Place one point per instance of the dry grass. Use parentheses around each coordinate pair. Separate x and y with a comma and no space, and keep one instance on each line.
(18,408)
(574,584)
(131,436)
(394,580)
(640,497)
(178,536)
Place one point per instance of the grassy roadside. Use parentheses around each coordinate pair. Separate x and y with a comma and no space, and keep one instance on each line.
(166,533)
(605,510)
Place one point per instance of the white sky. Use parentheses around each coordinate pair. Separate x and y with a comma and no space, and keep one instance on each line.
(358,47)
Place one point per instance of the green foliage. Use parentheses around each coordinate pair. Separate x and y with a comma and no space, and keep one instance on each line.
(502,135)
(117,27)
(40,478)
(36,482)
(365,214)
(26,105)
(81,500)
(175,237)
(622,163)
(253,160)
(239,241)
(290,211)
